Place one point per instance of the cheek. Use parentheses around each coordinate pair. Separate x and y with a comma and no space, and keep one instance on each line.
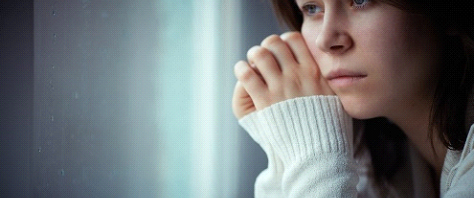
(310,34)
(406,58)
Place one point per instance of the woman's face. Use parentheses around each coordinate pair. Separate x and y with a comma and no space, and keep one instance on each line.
(378,59)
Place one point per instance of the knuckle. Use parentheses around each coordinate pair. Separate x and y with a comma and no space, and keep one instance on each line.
(291,36)
(271,40)
(258,52)
(242,72)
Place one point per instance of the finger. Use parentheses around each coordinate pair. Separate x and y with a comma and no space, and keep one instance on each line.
(250,80)
(297,44)
(280,50)
(264,62)
(242,103)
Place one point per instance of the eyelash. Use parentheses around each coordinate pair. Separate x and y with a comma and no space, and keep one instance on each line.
(310,6)
(360,6)
(306,9)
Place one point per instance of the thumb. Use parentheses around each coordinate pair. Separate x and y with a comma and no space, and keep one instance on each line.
(242,103)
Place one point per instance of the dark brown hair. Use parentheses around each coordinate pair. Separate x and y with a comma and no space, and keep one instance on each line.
(452,21)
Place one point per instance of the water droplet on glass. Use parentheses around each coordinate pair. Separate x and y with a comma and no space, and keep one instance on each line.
(39,149)
(51,85)
(53,13)
(54,38)
(52,118)
(61,172)
(76,95)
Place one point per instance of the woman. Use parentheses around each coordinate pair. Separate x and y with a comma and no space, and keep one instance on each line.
(366,98)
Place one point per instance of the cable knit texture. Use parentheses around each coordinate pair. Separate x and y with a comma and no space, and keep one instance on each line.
(309,145)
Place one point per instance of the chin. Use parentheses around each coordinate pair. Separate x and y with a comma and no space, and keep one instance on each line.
(359,108)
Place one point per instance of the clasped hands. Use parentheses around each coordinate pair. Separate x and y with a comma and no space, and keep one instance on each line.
(281,68)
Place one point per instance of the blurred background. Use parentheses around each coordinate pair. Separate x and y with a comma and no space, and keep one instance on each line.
(125,98)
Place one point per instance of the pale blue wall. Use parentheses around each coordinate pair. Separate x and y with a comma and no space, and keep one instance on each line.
(103,108)
(175,65)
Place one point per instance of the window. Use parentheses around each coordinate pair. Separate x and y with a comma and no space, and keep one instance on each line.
(127,98)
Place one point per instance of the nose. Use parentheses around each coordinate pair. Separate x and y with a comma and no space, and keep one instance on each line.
(334,38)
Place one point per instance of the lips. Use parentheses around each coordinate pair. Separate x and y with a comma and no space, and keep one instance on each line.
(343,77)
(344,74)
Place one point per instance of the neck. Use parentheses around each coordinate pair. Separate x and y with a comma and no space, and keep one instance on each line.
(415,124)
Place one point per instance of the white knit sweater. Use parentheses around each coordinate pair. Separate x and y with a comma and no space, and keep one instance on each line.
(309,142)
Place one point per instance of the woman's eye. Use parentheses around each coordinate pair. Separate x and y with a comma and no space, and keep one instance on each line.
(360,3)
(311,9)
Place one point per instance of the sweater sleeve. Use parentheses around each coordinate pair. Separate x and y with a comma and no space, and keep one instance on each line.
(308,142)
(457,181)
